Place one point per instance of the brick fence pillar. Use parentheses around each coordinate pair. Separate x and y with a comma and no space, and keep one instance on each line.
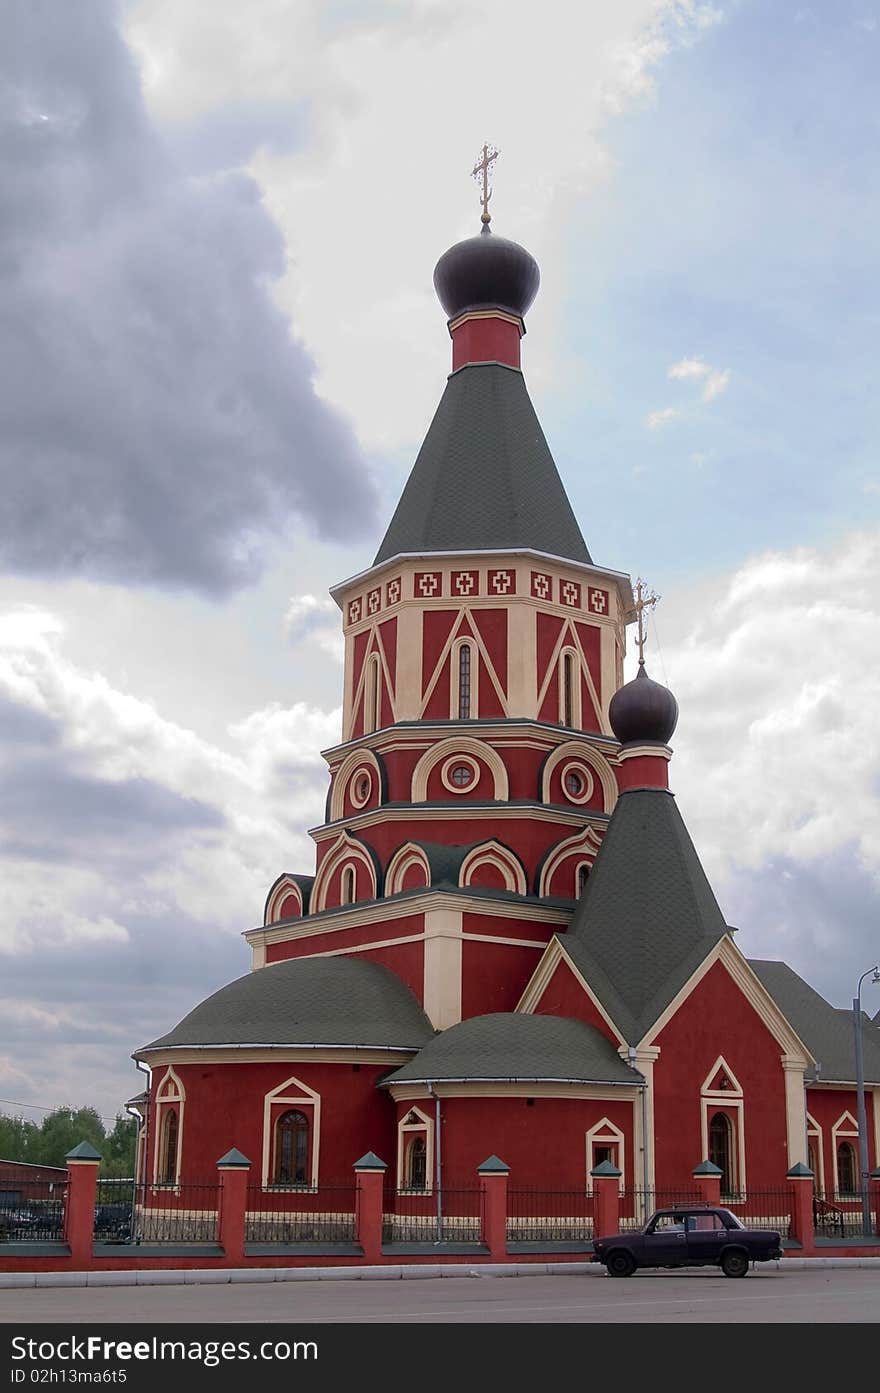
(606,1199)
(369,1174)
(707,1181)
(874,1194)
(233,1169)
(79,1211)
(493,1175)
(803,1226)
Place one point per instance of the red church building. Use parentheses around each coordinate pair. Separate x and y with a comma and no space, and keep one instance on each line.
(507,945)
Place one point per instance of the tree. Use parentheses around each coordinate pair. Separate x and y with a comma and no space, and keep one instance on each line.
(64,1129)
(119,1147)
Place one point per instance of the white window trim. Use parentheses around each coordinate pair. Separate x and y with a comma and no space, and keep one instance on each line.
(845,1129)
(165,1099)
(291,1093)
(404,1131)
(464,640)
(604,1132)
(576,721)
(716,1100)
(814,1132)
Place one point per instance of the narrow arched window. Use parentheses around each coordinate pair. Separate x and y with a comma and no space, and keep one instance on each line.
(583,875)
(721,1151)
(348,883)
(811,1163)
(292,1149)
(569,695)
(846,1169)
(464,682)
(372,693)
(417,1165)
(168,1150)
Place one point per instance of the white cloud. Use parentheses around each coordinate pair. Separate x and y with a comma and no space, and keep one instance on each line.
(716,383)
(688,368)
(316,617)
(661,418)
(397,191)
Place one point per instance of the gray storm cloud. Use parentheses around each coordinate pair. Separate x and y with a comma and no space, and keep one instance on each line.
(157,418)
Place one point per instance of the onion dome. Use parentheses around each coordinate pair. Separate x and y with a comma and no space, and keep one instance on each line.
(642,711)
(485,271)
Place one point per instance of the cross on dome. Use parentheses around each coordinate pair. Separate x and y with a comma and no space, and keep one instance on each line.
(643,599)
(480,172)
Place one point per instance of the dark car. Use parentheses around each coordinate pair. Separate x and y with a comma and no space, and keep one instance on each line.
(113,1223)
(697,1236)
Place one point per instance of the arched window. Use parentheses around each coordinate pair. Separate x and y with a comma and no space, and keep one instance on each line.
(417,1165)
(569,690)
(168,1153)
(292,1149)
(464,682)
(348,883)
(721,1151)
(811,1163)
(846,1168)
(583,875)
(371,694)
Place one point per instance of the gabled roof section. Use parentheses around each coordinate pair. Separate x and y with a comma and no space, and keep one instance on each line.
(484,479)
(826,1030)
(647,918)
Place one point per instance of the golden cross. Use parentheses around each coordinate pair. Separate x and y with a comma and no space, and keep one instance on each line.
(643,598)
(480,172)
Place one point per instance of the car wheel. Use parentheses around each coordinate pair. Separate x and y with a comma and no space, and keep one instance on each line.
(620,1264)
(734,1263)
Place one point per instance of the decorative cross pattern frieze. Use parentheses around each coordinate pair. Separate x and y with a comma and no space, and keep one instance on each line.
(354,610)
(570,593)
(374,601)
(428,584)
(541,585)
(502,582)
(597,600)
(465,582)
(392,591)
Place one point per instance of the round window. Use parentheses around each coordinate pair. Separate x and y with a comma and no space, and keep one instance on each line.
(461,775)
(574,783)
(363,788)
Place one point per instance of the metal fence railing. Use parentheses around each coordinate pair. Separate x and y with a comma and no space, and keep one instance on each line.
(542,1216)
(114,1211)
(762,1209)
(838,1215)
(32,1211)
(176,1214)
(285,1215)
(414,1216)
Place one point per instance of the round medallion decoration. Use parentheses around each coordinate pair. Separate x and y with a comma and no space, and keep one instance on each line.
(459,773)
(577,781)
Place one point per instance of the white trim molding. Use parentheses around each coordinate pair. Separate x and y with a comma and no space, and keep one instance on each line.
(605,1132)
(291,1093)
(406,1128)
(455,745)
(720,1100)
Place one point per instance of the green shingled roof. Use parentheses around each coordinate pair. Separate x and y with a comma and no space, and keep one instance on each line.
(647,918)
(307,1001)
(826,1030)
(484,478)
(509,1045)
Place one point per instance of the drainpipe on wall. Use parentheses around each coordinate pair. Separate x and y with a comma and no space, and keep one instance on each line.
(438,1168)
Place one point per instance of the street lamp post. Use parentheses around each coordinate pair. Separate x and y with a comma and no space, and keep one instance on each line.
(860,1085)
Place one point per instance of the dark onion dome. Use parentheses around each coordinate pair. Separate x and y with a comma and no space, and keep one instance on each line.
(484,271)
(307,1001)
(643,710)
(511,1045)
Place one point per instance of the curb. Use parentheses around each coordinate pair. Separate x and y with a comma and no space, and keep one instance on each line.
(424,1272)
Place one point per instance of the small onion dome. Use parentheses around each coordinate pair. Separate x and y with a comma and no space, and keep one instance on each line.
(643,711)
(484,271)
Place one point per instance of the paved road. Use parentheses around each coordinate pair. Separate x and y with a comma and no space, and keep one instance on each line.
(766,1295)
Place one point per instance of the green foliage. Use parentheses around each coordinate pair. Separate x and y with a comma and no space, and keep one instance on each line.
(61,1131)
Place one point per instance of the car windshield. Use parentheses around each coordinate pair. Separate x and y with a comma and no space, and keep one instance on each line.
(731,1220)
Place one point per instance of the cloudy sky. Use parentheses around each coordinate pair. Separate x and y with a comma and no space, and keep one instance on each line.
(220,349)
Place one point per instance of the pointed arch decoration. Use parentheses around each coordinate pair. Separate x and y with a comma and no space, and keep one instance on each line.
(168,1135)
(816,1140)
(721,1093)
(568,641)
(460,744)
(375,650)
(415,1124)
(501,858)
(601,1136)
(292,1094)
(586,842)
(346,848)
(284,886)
(465,629)
(844,1154)
(403,860)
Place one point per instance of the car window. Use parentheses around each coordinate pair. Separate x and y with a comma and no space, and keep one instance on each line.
(704,1223)
(667,1223)
(730,1220)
